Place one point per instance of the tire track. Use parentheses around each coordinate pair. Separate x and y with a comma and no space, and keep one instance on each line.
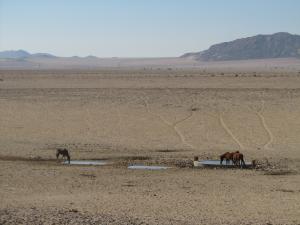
(265,126)
(180,121)
(155,114)
(226,128)
(173,126)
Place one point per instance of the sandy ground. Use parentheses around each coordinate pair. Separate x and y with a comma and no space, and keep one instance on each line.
(152,117)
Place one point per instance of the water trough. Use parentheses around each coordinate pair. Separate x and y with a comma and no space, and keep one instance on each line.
(87,162)
(143,167)
(216,163)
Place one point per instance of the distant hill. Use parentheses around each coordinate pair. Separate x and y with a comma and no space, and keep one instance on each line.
(45,55)
(278,45)
(21,54)
(14,54)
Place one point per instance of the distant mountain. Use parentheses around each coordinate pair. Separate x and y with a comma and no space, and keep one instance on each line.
(21,54)
(91,57)
(278,45)
(14,54)
(43,55)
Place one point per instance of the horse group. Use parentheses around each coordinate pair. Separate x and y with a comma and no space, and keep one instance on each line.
(237,158)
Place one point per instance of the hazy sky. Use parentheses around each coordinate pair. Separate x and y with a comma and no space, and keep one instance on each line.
(137,28)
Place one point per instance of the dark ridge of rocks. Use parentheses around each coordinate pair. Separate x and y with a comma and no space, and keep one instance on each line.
(278,45)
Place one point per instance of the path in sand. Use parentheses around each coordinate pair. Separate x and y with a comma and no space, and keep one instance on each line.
(226,128)
(173,126)
(265,126)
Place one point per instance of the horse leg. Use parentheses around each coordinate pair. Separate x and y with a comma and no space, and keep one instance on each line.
(233,162)
(243,163)
(64,157)
(237,162)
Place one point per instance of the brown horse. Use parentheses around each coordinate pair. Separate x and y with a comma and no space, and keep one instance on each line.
(238,159)
(227,156)
(64,152)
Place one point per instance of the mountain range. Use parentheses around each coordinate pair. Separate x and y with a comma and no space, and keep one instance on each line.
(21,54)
(278,45)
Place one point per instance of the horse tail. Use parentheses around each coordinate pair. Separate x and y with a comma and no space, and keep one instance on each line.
(57,153)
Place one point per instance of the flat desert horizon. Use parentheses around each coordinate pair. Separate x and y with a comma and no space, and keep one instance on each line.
(271,65)
(162,116)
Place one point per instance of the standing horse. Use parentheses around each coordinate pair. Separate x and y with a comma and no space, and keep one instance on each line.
(227,156)
(64,152)
(238,159)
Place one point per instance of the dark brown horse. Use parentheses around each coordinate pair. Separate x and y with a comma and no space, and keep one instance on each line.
(238,159)
(64,152)
(228,156)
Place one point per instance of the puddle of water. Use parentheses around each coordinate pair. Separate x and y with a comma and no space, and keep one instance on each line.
(217,163)
(87,162)
(142,167)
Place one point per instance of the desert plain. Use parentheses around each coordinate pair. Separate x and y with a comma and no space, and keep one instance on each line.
(152,117)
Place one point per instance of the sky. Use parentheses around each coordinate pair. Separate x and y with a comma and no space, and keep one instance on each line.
(138,28)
